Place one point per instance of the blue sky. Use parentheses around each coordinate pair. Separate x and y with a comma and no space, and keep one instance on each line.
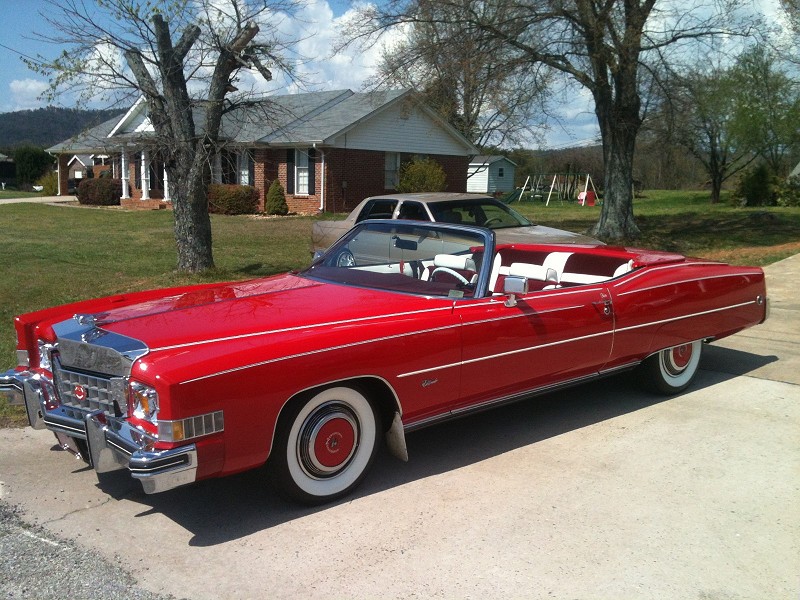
(19,19)
(20,87)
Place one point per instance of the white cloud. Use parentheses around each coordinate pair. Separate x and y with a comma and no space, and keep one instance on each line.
(25,93)
(317,31)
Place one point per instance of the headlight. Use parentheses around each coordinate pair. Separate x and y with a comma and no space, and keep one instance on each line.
(44,355)
(143,401)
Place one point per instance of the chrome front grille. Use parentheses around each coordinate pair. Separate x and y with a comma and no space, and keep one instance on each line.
(89,392)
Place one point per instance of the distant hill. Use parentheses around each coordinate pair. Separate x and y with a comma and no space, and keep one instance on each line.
(45,127)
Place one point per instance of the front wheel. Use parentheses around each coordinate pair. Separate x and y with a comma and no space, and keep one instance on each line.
(671,370)
(324,447)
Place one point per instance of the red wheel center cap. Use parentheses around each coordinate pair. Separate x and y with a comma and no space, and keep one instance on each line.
(334,442)
(681,355)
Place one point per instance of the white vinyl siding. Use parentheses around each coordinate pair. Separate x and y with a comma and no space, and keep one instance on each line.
(478,180)
(405,129)
(497,176)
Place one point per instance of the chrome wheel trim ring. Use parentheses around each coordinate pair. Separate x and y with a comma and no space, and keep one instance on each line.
(307,441)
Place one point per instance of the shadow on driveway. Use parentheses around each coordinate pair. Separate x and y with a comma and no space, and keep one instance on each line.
(221,510)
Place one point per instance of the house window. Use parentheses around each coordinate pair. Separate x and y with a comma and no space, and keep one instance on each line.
(246,168)
(301,172)
(300,166)
(391,173)
(500,171)
(228,170)
(236,167)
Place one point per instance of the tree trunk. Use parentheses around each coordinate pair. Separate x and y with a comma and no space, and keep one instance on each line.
(619,126)
(716,189)
(192,221)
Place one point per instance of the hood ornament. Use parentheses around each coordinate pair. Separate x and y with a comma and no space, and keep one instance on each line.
(89,319)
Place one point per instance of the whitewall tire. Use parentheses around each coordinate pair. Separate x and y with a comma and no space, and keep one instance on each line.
(325,445)
(671,370)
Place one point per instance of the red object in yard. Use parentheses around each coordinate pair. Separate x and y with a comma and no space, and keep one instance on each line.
(586,198)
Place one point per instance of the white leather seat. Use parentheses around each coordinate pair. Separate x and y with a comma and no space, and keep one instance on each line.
(557,261)
(535,272)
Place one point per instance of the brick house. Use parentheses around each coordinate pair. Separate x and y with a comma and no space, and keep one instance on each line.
(329,150)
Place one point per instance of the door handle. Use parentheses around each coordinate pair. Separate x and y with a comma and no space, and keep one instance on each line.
(603,306)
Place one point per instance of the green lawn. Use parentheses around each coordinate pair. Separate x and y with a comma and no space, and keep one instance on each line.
(55,254)
(5,194)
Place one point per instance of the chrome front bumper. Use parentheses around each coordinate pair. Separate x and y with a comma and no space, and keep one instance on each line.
(113,444)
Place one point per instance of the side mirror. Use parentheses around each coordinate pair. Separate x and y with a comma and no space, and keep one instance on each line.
(514,286)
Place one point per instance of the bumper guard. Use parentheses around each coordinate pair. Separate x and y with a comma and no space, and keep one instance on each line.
(113,444)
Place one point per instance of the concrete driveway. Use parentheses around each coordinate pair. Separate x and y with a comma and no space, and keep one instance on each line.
(39,199)
(603,491)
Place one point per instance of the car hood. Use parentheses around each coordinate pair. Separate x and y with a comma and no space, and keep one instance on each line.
(541,234)
(282,304)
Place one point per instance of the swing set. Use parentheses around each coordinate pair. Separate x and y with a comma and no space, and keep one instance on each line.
(565,186)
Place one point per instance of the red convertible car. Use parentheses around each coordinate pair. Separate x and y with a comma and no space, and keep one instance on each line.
(401,324)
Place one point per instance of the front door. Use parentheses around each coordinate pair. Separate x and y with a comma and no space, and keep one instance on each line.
(549,337)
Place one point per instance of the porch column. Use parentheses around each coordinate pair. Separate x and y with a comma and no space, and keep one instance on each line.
(216,169)
(125,174)
(145,175)
(167,197)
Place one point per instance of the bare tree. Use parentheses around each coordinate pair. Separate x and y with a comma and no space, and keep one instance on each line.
(458,70)
(600,44)
(184,58)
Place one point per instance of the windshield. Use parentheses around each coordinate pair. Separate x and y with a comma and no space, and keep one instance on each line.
(426,259)
(483,212)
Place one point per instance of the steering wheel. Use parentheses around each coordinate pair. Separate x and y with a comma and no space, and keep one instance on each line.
(492,220)
(450,271)
(345,259)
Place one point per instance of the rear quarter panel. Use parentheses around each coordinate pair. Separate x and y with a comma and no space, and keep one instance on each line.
(666,305)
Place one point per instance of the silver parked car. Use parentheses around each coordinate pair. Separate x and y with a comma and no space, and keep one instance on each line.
(447,207)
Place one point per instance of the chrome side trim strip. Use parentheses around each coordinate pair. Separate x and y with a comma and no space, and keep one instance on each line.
(661,285)
(320,351)
(510,399)
(460,363)
(638,273)
(680,318)
(509,353)
(447,308)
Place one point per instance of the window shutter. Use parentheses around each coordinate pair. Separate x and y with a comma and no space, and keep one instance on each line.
(290,171)
(312,155)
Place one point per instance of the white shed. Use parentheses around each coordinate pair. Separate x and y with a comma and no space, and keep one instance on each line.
(490,174)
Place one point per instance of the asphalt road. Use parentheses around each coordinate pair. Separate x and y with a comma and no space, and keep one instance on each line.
(603,491)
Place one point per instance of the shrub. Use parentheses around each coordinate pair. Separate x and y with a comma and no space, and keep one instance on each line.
(787,192)
(225,199)
(31,163)
(276,200)
(49,183)
(422,175)
(100,192)
(756,187)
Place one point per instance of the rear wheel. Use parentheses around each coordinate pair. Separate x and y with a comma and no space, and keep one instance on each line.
(325,445)
(671,370)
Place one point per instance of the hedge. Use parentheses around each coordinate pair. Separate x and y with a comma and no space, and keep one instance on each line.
(224,199)
(100,192)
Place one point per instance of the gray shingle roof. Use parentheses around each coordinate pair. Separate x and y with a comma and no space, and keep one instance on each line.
(90,141)
(276,120)
(488,160)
